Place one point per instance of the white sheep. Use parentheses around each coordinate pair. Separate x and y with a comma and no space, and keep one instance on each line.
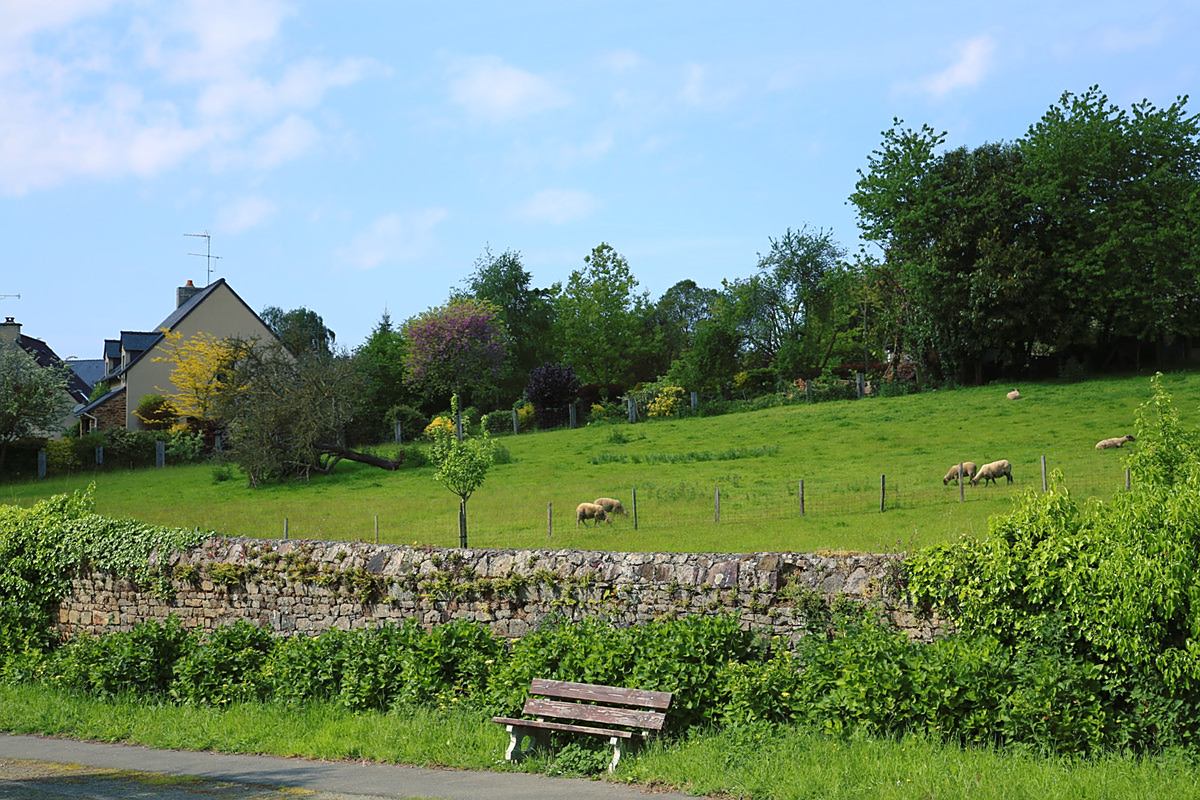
(610,505)
(992,471)
(586,511)
(1118,441)
(968,468)
(1013,395)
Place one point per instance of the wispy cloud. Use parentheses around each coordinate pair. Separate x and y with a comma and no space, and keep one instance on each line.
(701,91)
(621,60)
(557,206)
(245,213)
(490,88)
(971,65)
(209,82)
(393,238)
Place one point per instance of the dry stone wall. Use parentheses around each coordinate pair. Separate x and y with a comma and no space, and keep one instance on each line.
(311,586)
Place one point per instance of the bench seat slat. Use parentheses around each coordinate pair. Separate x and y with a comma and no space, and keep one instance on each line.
(659,701)
(562,726)
(650,720)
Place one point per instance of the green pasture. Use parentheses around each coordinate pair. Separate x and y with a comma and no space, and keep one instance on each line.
(839,449)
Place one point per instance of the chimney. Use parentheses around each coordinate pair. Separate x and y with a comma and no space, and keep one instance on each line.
(185,293)
(10,331)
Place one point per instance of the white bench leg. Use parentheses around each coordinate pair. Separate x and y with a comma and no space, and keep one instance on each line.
(515,735)
(616,743)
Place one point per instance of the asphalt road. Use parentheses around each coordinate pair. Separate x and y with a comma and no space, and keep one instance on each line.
(36,768)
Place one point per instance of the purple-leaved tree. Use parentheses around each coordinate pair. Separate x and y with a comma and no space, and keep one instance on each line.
(459,348)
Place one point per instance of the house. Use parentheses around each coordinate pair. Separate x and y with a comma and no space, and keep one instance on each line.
(133,361)
(77,389)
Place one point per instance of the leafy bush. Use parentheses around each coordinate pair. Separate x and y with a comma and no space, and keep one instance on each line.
(412,421)
(668,402)
(551,389)
(305,668)
(184,447)
(497,422)
(439,424)
(62,457)
(129,448)
(156,412)
(224,667)
(139,662)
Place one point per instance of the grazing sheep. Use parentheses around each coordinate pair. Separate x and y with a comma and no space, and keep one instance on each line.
(610,505)
(992,471)
(952,473)
(1117,441)
(1013,395)
(586,511)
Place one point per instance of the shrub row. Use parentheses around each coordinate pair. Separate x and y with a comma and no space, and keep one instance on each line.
(122,450)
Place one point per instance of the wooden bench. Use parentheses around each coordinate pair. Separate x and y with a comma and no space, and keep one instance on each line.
(627,715)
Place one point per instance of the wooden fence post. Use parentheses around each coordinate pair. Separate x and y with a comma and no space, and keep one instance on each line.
(1127,479)
(376,529)
(695,400)
(41,464)
(859,385)
(717,504)
(571,414)
(962,491)
(160,453)
(100,455)
(882,492)
(635,516)
(516,428)
(399,433)
(285,528)
(632,404)
(801,493)
(549,520)
(1043,473)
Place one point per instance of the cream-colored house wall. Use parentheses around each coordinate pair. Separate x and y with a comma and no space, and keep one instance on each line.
(221,314)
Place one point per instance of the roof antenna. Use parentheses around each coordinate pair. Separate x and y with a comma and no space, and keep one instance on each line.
(207,254)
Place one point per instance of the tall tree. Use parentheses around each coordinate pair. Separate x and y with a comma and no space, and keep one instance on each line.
(33,398)
(677,314)
(301,330)
(528,313)
(598,318)
(379,362)
(459,348)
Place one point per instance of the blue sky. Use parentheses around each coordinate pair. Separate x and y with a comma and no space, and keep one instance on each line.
(357,155)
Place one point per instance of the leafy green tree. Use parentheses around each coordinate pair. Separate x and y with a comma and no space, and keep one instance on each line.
(528,313)
(33,399)
(599,318)
(677,315)
(379,363)
(793,310)
(711,362)
(461,465)
(301,330)
(459,348)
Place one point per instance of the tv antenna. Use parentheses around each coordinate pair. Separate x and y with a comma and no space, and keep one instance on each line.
(207,254)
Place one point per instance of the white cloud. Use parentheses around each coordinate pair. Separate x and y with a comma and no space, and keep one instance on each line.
(490,88)
(972,64)
(245,213)
(95,89)
(621,60)
(700,91)
(393,238)
(557,206)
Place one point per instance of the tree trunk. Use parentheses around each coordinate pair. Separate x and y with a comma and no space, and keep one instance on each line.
(462,522)
(363,458)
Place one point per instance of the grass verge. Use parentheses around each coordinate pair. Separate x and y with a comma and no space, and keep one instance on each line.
(759,763)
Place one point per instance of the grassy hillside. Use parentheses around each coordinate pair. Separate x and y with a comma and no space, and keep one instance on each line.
(839,449)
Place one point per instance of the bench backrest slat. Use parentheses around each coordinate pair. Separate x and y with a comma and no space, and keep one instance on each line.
(646,720)
(659,701)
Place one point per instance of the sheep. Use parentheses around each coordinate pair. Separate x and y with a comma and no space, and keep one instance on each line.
(1118,441)
(610,505)
(586,511)
(968,468)
(1013,395)
(992,471)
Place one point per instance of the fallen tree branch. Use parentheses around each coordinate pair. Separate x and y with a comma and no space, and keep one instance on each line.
(338,452)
